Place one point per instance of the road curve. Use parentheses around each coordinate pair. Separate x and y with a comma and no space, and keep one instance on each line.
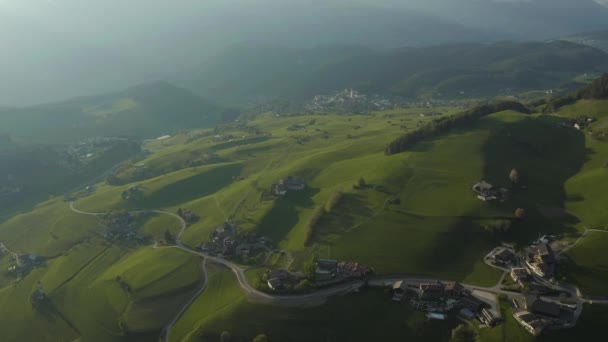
(165,334)
(311,299)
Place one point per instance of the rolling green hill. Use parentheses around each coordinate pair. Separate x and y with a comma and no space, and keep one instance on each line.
(416,214)
(250,73)
(145,111)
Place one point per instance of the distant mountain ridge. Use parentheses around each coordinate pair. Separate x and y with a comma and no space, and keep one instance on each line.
(144,111)
(250,73)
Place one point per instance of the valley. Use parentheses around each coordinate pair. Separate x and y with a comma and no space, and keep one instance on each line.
(407,216)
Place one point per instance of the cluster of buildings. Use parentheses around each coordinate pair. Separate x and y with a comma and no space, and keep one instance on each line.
(438,298)
(502,256)
(22,264)
(329,271)
(121,227)
(579,124)
(94,146)
(288,184)
(280,279)
(537,315)
(223,242)
(351,101)
(488,192)
(188,215)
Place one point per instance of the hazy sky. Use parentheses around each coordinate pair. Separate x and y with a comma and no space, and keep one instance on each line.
(54,49)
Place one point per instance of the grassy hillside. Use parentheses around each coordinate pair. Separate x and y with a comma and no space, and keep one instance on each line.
(87,301)
(223,308)
(49,229)
(416,214)
(145,111)
(21,165)
(249,73)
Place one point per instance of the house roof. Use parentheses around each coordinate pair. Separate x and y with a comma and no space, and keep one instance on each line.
(483,185)
(274,283)
(400,285)
(504,253)
(327,263)
(453,285)
(432,287)
(537,305)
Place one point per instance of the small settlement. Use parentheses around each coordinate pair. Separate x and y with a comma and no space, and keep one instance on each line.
(438,298)
(487,192)
(121,228)
(579,124)
(224,242)
(533,268)
(334,271)
(23,264)
(326,273)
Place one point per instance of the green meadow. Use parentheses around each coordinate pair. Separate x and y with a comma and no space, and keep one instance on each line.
(415,215)
(224,308)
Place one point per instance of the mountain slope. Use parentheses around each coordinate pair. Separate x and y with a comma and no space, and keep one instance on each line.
(250,73)
(144,111)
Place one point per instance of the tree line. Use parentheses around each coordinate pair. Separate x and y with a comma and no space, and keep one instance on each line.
(334,200)
(597,90)
(443,124)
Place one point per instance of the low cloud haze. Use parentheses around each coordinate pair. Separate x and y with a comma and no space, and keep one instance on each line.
(55,49)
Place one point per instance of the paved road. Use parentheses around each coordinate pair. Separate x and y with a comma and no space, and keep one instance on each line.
(319,297)
(165,334)
(253,294)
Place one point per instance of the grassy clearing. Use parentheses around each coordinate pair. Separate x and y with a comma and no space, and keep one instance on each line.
(48,230)
(366,316)
(222,293)
(151,272)
(589,270)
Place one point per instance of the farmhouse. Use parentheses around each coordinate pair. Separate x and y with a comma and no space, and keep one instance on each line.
(487,192)
(542,308)
(274,284)
(519,274)
(471,303)
(351,269)
(532,323)
(486,317)
(503,256)
(540,259)
(431,290)
(279,189)
(292,183)
(399,290)
(325,269)
(288,184)
(453,289)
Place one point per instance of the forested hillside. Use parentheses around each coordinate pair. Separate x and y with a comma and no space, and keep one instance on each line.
(255,73)
(145,111)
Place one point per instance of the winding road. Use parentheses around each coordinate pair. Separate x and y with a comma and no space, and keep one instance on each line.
(319,297)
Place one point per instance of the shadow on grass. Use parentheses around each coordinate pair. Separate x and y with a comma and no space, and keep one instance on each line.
(280,220)
(546,156)
(346,216)
(194,187)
